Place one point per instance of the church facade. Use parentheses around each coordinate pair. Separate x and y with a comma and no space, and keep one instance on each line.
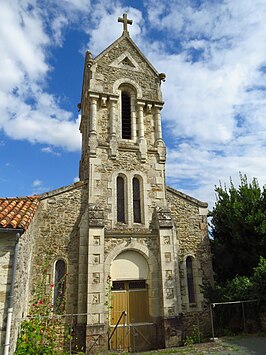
(134,251)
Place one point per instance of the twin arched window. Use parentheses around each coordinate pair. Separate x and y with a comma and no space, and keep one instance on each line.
(121,200)
(59,286)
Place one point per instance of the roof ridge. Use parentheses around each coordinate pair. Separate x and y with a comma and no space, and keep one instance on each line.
(34,197)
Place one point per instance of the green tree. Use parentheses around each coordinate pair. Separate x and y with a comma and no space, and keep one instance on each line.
(259,280)
(238,229)
(240,287)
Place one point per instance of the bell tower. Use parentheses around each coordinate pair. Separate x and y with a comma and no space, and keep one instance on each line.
(123,161)
(121,125)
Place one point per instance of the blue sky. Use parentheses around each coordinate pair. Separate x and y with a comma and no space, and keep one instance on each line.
(214,57)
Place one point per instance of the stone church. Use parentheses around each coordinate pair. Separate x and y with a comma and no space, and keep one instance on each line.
(133,252)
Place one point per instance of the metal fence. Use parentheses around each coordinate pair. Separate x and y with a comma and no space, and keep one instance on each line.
(230,318)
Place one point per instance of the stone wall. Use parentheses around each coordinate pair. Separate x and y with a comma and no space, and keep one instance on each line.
(7,245)
(145,76)
(21,289)
(103,185)
(21,292)
(57,237)
(190,219)
(52,234)
(197,323)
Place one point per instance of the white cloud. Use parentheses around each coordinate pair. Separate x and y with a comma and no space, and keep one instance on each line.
(215,97)
(212,52)
(57,27)
(39,187)
(27,111)
(75,5)
(106,29)
(37,183)
(76,179)
(50,150)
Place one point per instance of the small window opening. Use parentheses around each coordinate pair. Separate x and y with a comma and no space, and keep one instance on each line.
(126,116)
(136,200)
(134,285)
(59,286)
(118,286)
(190,280)
(120,199)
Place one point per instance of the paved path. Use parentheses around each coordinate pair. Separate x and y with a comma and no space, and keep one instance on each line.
(249,345)
(240,345)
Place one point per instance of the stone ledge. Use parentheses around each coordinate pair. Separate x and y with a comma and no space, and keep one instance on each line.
(186,197)
(63,189)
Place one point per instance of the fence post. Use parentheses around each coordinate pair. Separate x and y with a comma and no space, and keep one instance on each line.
(70,335)
(212,320)
(244,318)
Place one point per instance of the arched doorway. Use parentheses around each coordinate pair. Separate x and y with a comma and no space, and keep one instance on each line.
(131,324)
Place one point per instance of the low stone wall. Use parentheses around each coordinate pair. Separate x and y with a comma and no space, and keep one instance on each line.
(197,323)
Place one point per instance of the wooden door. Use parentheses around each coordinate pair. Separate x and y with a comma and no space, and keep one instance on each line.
(138,306)
(131,297)
(119,305)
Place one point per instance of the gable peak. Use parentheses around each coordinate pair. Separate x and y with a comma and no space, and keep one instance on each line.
(125,61)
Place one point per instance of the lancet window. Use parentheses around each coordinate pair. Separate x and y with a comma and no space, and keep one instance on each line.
(59,286)
(120,199)
(136,200)
(190,280)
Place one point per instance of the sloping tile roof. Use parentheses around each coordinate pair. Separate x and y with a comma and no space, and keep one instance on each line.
(18,212)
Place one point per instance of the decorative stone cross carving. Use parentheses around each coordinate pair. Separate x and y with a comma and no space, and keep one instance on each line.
(125,21)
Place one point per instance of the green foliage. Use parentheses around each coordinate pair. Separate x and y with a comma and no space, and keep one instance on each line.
(213,292)
(238,229)
(108,300)
(240,288)
(37,337)
(194,338)
(39,333)
(259,280)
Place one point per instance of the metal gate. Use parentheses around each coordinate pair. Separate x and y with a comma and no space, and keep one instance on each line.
(134,337)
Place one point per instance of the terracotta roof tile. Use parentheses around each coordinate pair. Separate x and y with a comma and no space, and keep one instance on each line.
(18,212)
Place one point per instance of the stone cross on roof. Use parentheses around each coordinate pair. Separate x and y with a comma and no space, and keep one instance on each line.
(125,21)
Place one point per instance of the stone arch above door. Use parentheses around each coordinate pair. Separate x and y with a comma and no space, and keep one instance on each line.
(154,277)
(133,246)
(129,265)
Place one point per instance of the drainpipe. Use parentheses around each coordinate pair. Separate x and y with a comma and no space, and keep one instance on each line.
(11,294)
